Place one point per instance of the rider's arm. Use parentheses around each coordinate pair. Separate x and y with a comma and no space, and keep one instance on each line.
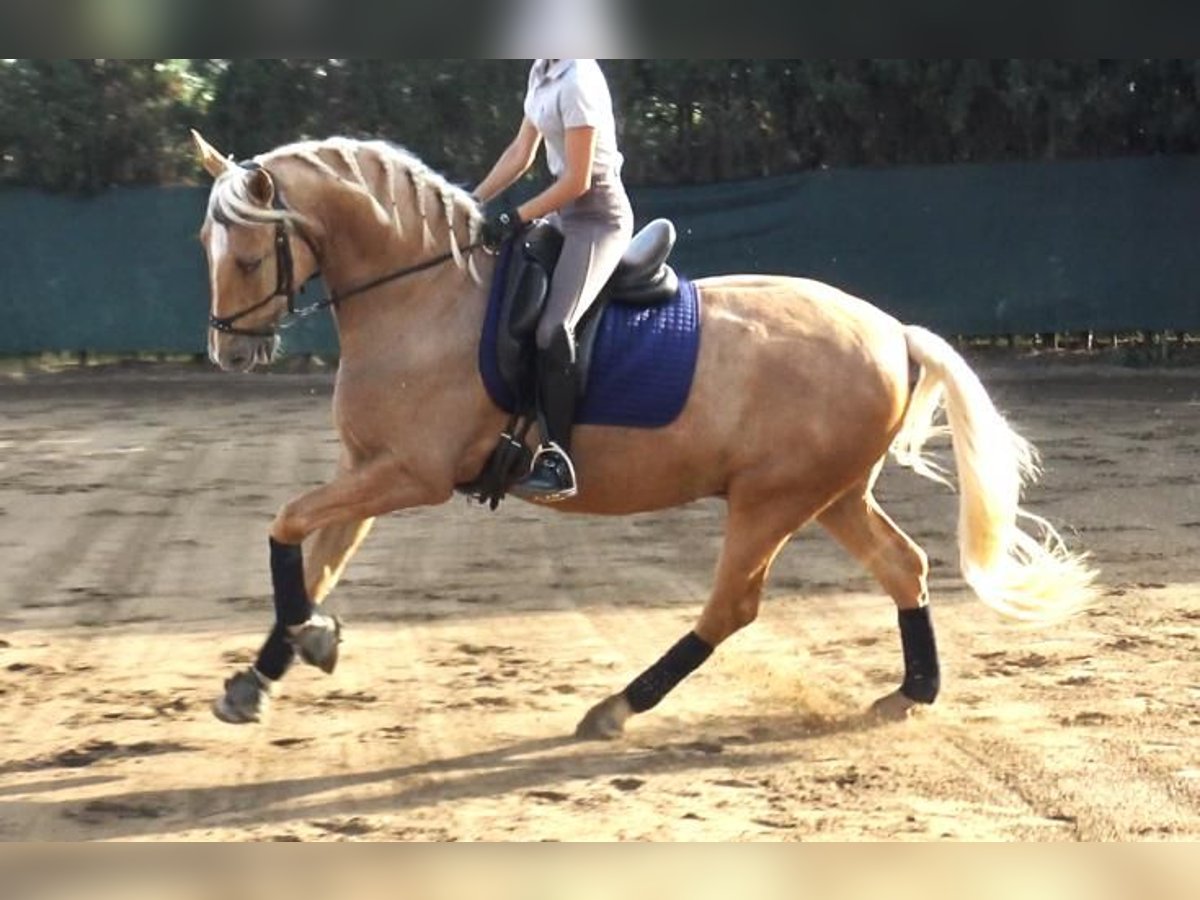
(513,162)
(575,180)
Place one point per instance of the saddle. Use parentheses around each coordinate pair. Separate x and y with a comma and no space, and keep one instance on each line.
(642,278)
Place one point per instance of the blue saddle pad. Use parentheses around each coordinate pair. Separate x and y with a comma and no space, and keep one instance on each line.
(643,361)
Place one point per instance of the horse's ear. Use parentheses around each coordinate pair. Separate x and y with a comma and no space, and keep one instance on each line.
(260,186)
(214,163)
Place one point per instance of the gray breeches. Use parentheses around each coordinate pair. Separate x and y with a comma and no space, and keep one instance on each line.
(596,230)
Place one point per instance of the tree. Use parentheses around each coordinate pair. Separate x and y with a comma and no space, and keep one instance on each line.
(83,125)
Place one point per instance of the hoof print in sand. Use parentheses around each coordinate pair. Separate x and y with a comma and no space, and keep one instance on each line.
(356,827)
(100,751)
(98,812)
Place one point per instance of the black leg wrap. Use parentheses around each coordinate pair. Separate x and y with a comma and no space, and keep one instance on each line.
(276,655)
(292,606)
(649,688)
(922,675)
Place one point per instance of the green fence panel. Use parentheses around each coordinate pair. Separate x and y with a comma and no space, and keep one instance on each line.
(1017,248)
(996,249)
(119,273)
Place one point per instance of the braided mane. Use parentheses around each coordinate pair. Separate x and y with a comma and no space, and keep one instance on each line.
(404,192)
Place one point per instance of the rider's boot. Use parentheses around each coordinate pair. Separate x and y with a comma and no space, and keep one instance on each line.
(552,476)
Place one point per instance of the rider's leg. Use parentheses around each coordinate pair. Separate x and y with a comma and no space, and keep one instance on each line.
(552,476)
(596,231)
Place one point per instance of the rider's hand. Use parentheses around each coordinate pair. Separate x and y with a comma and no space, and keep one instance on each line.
(498,227)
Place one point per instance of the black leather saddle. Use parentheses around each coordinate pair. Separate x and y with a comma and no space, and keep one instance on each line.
(642,278)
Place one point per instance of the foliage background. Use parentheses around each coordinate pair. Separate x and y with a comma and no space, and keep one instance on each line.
(82,125)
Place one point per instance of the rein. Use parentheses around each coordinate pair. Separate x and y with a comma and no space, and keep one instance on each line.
(285,281)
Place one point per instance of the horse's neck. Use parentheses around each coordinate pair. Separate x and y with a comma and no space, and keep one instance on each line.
(408,378)
(427,322)
(409,347)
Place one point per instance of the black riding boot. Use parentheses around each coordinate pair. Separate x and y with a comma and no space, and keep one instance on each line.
(552,477)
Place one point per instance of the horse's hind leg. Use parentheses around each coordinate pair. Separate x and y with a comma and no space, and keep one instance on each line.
(756,531)
(902,568)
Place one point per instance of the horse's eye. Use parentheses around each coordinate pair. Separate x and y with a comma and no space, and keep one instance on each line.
(250,266)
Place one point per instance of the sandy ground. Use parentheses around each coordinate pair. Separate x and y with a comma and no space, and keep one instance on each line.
(133,515)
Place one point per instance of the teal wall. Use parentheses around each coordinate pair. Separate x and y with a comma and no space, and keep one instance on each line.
(121,272)
(974,250)
(966,250)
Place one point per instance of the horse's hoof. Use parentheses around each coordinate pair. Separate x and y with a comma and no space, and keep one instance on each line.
(317,641)
(605,721)
(895,707)
(245,701)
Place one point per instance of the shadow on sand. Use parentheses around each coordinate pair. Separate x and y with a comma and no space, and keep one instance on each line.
(536,767)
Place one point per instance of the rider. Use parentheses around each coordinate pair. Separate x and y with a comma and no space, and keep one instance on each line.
(567,105)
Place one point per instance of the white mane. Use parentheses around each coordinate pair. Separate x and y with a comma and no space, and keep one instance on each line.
(230,200)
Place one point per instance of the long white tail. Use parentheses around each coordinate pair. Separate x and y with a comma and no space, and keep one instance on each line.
(1023,572)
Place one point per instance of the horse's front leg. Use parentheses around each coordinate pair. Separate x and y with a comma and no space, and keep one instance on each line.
(326,554)
(337,517)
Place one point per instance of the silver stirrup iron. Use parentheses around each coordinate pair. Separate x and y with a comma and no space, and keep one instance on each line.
(552,447)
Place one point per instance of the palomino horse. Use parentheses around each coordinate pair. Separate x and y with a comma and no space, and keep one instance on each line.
(800,392)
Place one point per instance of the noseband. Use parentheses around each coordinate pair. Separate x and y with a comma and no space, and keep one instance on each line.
(285,278)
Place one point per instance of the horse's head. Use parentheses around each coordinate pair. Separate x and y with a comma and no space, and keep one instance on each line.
(374,215)
(255,262)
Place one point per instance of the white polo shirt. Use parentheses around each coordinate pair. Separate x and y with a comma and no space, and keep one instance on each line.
(572,93)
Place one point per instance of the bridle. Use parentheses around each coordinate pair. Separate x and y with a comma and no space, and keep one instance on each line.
(285,278)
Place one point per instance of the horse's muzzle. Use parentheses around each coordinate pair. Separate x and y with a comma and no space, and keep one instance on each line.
(239,353)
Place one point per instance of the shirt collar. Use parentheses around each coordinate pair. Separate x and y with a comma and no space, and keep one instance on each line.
(547,72)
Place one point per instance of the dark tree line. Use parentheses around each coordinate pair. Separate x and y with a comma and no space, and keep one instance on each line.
(83,125)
